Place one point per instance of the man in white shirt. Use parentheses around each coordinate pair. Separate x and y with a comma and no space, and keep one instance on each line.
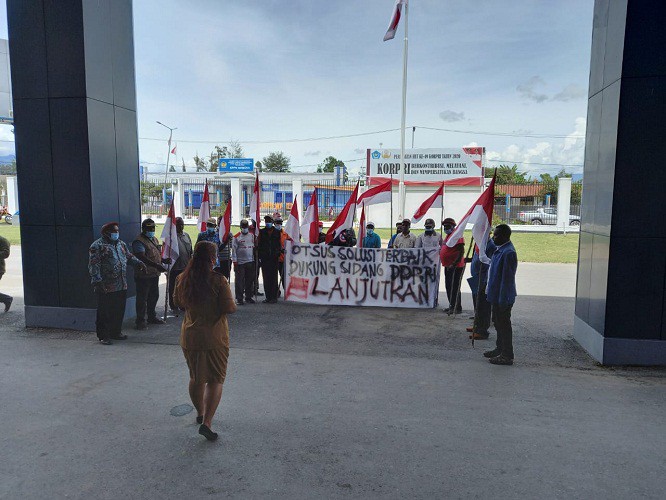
(429,239)
(242,255)
(405,239)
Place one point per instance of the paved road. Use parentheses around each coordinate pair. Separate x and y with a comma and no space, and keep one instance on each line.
(331,402)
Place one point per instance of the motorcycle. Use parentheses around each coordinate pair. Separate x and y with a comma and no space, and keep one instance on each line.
(5,215)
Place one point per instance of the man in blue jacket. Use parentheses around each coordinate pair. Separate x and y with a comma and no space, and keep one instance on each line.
(501,293)
(371,239)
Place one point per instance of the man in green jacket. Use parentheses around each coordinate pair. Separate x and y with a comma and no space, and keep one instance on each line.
(4,254)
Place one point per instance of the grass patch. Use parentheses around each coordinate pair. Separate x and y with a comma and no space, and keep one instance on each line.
(531,247)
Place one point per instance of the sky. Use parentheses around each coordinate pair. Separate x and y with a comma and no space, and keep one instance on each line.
(266,70)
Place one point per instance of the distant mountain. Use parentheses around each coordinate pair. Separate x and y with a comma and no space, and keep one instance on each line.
(5,159)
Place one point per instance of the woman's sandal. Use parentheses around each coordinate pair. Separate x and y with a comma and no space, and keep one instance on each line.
(207,433)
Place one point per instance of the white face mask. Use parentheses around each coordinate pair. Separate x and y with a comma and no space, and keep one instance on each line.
(245,230)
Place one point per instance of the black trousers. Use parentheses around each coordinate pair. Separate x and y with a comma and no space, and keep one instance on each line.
(269,271)
(502,322)
(452,277)
(483,313)
(225,269)
(110,314)
(173,275)
(281,273)
(147,295)
(244,276)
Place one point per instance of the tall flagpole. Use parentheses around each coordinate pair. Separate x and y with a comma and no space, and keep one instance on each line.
(401,189)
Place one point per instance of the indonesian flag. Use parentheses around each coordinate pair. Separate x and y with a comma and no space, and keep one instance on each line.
(346,218)
(377,194)
(361,228)
(292,227)
(395,19)
(204,210)
(310,227)
(225,224)
(173,151)
(255,203)
(481,215)
(434,201)
(170,236)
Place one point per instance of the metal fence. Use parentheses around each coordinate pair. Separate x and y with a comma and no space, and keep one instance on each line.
(332,195)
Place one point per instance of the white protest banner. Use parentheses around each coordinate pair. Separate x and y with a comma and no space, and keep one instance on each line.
(330,275)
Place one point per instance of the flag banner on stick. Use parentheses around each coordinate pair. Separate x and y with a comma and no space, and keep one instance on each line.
(481,215)
(293,226)
(310,226)
(204,210)
(436,200)
(225,224)
(377,194)
(255,204)
(170,236)
(395,19)
(361,227)
(346,218)
(173,151)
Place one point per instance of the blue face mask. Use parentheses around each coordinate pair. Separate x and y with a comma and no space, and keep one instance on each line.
(371,232)
(150,234)
(429,230)
(114,236)
(211,230)
(448,230)
(269,225)
(278,226)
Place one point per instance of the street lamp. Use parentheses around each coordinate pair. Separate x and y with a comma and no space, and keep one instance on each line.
(171,129)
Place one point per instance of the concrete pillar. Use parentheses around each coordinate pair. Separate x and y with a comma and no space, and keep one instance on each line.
(76,147)
(237,201)
(563,201)
(12,195)
(620,292)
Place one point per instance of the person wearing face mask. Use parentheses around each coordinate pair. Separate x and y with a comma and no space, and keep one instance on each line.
(371,239)
(501,293)
(148,250)
(269,249)
(429,239)
(108,258)
(454,269)
(184,256)
(405,239)
(4,254)
(398,230)
(477,282)
(224,251)
(322,234)
(242,255)
(257,270)
(284,237)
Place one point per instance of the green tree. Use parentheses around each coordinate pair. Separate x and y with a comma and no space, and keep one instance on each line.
(276,161)
(258,165)
(510,175)
(183,165)
(328,165)
(172,168)
(209,163)
(150,190)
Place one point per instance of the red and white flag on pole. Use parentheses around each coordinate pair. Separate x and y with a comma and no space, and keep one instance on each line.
(395,19)
(204,210)
(293,226)
(255,204)
(310,226)
(361,227)
(377,194)
(173,151)
(170,236)
(224,229)
(346,218)
(434,201)
(481,215)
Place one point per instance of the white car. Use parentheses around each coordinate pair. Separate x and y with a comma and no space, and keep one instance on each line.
(546,216)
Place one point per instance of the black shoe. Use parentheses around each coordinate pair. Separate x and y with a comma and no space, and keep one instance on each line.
(250,301)
(501,360)
(265,301)
(105,342)
(259,294)
(120,337)
(156,321)
(492,354)
(207,433)
(140,326)
(8,303)
(240,303)
(274,301)
(199,419)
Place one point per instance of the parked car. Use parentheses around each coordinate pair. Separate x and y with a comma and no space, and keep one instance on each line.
(546,216)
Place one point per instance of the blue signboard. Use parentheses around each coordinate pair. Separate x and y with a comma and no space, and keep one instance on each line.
(225,165)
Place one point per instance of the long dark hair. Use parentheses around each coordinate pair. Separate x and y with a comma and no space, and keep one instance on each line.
(195,283)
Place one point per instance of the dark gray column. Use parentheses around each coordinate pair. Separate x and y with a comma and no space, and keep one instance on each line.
(620,313)
(76,146)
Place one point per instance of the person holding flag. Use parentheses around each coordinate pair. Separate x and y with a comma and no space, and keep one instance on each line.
(179,264)
(243,250)
(341,233)
(225,237)
(269,249)
(430,238)
(453,260)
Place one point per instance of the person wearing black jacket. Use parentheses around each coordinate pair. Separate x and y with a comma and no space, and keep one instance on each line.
(269,249)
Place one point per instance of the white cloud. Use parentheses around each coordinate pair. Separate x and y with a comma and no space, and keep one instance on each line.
(570,92)
(452,116)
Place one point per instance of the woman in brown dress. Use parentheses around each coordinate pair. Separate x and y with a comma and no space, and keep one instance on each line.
(206,297)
